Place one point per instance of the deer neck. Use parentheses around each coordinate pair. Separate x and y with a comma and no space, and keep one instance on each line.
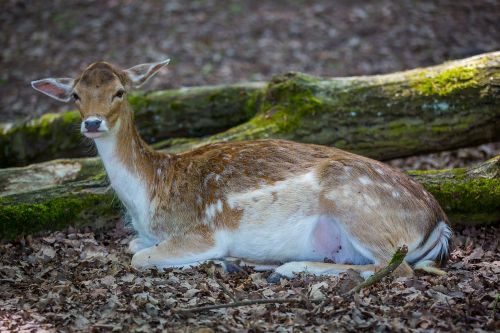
(130,164)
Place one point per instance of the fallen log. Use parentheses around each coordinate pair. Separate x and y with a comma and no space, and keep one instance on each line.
(468,195)
(56,194)
(452,105)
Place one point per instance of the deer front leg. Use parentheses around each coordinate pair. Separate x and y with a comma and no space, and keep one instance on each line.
(139,243)
(185,251)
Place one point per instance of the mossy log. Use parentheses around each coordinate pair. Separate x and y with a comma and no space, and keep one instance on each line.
(60,193)
(468,195)
(449,106)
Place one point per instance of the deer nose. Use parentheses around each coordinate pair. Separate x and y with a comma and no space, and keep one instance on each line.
(92,125)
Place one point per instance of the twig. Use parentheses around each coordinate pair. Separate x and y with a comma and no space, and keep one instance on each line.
(241,303)
(495,304)
(396,260)
(225,289)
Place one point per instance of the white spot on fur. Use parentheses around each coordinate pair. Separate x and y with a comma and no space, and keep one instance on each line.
(365,180)
(395,194)
(212,210)
(370,201)
(342,192)
(232,202)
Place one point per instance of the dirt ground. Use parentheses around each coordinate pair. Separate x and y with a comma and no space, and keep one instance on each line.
(81,280)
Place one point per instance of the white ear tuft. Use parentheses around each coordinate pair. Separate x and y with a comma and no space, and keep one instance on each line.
(141,73)
(59,89)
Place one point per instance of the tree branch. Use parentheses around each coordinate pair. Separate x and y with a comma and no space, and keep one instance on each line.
(241,303)
(396,260)
(224,288)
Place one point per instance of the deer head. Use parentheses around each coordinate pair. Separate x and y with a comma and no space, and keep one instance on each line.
(99,93)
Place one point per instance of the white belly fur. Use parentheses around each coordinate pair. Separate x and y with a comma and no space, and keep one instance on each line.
(281,223)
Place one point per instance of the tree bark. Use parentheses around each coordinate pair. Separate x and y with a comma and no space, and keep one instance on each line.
(53,195)
(449,106)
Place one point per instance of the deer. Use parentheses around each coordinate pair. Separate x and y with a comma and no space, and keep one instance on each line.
(284,205)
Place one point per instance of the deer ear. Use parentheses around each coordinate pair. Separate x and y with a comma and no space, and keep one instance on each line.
(59,89)
(141,73)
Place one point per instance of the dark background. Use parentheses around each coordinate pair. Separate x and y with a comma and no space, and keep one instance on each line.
(214,42)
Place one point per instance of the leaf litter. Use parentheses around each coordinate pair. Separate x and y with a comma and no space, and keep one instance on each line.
(81,280)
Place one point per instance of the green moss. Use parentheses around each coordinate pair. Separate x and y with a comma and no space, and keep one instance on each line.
(469,196)
(402,127)
(101,176)
(56,213)
(398,256)
(289,99)
(283,107)
(138,100)
(71,117)
(91,168)
(457,172)
(479,196)
(253,103)
(446,82)
(176,145)
(48,136)
(44,125)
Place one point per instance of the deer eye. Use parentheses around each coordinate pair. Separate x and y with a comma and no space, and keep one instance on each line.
(75,97)
(119,93)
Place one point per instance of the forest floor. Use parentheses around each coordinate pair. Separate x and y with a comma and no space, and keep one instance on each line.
(78,280)
(81,280)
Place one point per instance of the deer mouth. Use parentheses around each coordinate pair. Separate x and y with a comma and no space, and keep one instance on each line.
(94,134)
